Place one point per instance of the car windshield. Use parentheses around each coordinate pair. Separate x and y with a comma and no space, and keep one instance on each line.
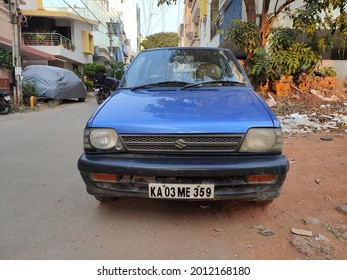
(183,66)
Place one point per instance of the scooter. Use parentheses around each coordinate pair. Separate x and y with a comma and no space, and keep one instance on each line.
(5,102)
(103,89)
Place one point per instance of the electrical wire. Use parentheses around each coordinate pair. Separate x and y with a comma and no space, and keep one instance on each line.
(77,13)
(91,11)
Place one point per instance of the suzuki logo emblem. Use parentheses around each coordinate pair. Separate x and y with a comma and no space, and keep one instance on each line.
(180,144)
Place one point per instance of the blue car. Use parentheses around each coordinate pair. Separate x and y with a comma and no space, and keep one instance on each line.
(184,123)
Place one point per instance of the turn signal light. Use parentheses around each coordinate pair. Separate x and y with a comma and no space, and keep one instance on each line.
(104,177)
(261,178)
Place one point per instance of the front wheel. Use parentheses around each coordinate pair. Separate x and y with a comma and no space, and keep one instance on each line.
(99,98)
(6,109)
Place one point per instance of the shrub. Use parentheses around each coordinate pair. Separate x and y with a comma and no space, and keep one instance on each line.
(91,69)
(28,89)
(328,71)
(89,84)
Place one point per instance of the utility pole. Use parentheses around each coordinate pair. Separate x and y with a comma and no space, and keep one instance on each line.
(16,58)
(110,26)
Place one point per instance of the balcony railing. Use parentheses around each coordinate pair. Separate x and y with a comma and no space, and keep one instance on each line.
(47,39)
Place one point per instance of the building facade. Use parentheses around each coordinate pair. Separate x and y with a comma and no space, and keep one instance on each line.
(7,41)
(64,35)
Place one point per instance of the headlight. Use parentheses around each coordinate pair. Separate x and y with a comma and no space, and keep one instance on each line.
(102,139)
(262,140)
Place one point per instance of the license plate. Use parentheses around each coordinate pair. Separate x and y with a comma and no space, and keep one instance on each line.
(97,90)
(181,191)
(7,98)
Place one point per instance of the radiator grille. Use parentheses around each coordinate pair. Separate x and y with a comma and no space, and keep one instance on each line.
(182,143)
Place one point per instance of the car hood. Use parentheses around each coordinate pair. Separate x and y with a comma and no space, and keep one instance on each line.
(200,110)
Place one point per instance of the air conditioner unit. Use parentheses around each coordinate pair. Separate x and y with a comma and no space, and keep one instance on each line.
(223,4)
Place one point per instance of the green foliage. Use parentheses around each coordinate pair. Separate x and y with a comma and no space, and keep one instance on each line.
(286,56)
(328,17)
(244,34)
(89,84)
(79,72)
(6,59)
(261,67)
(282,38)
(40,38)
(91,69)
(116,69)
(328,71)
(298,57)
(161,40)
(325,43)
(28,89)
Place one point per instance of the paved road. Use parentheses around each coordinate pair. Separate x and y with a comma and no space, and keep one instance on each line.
(46,213)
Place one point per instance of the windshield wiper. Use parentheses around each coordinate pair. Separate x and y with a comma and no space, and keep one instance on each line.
(169,83)
(223,82)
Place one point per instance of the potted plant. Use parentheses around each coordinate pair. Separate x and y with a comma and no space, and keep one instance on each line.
(40,38)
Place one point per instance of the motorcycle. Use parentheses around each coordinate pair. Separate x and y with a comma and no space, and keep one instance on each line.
(5,102)
(104,88)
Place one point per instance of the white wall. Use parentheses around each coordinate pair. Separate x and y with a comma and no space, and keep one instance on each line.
(29,5)
(340,66)
(127,11)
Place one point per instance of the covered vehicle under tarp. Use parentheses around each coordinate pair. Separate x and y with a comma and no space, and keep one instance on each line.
(54,82)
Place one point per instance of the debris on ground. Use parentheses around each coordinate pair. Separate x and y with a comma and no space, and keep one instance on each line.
(313,248)
(342,208)
(339,231)
(326,138)
(319,180)
(311,220)
(316,104)
(320,237)
(263,231)
(301,232)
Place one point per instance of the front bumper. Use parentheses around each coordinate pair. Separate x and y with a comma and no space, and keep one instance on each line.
(228,174)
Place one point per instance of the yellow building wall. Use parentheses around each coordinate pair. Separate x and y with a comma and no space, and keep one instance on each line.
(39,5)
(87,42)
(203,8)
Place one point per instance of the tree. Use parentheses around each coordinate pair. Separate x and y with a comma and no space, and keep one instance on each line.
(161,40)
(290,57)
(267,18)
(324,21)
(91,69)
(6,59)
(116,69)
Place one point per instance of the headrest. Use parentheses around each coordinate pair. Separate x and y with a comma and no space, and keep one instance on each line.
(208,70)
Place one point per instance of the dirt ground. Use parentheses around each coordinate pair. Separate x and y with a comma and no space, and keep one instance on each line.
(315,186)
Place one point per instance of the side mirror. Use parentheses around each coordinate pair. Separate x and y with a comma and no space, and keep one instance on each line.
(111,83)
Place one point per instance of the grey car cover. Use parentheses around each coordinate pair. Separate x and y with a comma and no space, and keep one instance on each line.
(54,82)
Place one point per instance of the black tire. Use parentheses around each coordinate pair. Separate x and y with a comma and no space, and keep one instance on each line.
(81,99)
(102,198)
(99,99)
(6,111)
